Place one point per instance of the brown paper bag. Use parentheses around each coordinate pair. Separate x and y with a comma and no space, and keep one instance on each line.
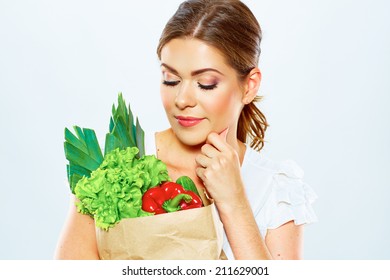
(195,234)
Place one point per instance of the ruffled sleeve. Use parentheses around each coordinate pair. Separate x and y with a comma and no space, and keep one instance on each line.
(289,199)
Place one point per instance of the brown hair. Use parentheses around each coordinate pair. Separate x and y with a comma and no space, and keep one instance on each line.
(231,27)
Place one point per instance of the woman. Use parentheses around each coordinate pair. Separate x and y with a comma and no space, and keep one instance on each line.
(209,54)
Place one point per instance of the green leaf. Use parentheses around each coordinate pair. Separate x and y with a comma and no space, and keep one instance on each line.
(130,126)
(111,125)
(72,139)
(111,143)
(68,172)
(76,169)
(113,110)
(79,133)
(83,153)
(78,157)
(74,179)
(140,134)
(122,110)
(122,133)
(93,145)
(187,184)
(127,134)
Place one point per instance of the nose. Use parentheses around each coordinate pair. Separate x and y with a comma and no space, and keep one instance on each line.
(185,96)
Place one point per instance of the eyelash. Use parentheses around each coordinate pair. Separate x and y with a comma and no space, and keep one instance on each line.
(202,87)
(171,83)
(207,87)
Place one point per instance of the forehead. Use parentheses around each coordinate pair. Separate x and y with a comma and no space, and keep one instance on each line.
(189,54)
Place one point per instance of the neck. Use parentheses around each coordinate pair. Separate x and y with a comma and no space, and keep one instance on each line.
(167,141)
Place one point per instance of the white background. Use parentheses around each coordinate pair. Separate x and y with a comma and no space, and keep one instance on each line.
(325,65)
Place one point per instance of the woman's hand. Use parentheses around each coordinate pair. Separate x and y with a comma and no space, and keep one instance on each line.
(219,169)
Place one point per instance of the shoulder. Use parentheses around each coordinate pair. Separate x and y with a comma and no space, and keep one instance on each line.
(277,191)
(261,172)
(154,140)
(255,160)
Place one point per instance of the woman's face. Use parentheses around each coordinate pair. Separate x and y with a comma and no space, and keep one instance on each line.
(200,92)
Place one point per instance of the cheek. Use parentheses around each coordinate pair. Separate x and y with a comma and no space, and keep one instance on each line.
(221,105)
(166,98)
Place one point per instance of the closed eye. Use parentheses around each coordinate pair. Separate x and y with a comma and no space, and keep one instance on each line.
(207,87)
(170,83)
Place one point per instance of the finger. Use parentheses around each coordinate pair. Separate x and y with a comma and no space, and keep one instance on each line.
(203,160)
(217,141)
(200,173)
(209,150)
(223,134)
(206,193)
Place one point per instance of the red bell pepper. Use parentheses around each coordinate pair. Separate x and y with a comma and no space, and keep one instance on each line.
(169,197)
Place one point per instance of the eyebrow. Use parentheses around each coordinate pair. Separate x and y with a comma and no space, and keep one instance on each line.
(193,73)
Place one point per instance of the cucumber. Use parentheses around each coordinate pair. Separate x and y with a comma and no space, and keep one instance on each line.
(187,184)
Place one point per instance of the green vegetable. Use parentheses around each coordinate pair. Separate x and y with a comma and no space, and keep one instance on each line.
(110,188)
(122,131)
(155,172)
(187,184)
(83,151)
(114,190)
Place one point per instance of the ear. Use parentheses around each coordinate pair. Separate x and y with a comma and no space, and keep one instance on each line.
(252,85)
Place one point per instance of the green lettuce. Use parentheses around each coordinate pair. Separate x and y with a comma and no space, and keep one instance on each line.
(114,190)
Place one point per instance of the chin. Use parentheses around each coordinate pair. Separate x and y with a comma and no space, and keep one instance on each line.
(190,138)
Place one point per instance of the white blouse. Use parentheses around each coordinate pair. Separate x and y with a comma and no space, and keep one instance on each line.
(275,191)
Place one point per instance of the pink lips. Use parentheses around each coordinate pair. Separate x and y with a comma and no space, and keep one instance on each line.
(188,121)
